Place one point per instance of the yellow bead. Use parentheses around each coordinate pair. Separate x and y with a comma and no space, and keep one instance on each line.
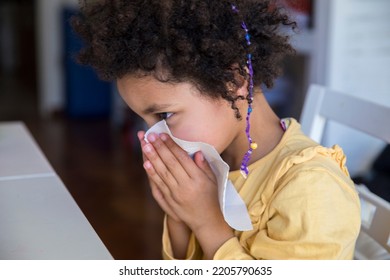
(254,146)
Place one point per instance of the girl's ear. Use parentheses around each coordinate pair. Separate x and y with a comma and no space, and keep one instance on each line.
(243,90)
(236,91)
(240,87)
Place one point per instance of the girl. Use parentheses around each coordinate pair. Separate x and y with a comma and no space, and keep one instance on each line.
(199,65)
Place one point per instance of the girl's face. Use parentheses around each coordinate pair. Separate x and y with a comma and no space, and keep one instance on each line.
(189,115)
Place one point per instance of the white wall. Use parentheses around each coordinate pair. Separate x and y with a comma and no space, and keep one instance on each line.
(50,60)
(358,64)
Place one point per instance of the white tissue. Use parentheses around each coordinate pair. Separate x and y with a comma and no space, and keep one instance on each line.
(232,206)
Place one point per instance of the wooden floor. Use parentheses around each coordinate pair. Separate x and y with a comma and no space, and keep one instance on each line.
(101,166)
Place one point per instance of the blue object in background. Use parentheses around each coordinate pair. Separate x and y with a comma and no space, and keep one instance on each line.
(86,95)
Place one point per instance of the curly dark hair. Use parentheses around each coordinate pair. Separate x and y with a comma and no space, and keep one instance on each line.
(195,41)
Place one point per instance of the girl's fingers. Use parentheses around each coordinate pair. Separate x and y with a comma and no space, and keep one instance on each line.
(169,160)
(202,163)
(178,161)
(180,155)
(160,169)
(141,135)
(165,161)
(159,197)
(156,179)
(160,191)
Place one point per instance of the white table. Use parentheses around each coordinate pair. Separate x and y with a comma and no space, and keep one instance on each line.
(20,156)
(39,219)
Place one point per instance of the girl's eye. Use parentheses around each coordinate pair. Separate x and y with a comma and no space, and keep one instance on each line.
(165,115)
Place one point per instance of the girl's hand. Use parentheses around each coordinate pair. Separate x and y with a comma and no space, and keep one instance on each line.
(158,196)
(186,189)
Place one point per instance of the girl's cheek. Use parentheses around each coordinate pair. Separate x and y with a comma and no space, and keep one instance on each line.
(185,129)
(179,132)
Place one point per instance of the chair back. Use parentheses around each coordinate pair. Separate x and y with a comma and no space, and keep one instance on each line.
(322,105)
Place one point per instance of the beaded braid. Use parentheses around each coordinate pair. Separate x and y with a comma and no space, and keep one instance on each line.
(252,145)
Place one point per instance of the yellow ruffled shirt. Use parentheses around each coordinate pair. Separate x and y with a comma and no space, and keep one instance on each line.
(301,201)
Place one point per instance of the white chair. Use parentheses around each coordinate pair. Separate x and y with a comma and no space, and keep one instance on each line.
(373,241)
(322,104)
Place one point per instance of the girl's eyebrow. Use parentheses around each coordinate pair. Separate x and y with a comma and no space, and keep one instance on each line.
(155,108)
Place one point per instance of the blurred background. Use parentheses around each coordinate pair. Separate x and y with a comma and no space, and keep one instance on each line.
(88,134)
